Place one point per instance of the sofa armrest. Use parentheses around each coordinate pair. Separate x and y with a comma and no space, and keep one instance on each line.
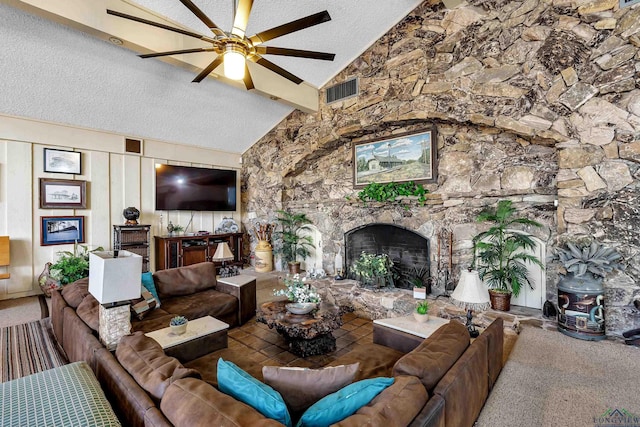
(431,415)
(78,341)
(58,305)
(193,402)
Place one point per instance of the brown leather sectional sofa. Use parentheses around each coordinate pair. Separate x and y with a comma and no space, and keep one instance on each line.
(442,382)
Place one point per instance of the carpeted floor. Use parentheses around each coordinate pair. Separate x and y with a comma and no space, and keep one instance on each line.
(551,379)
(28,348)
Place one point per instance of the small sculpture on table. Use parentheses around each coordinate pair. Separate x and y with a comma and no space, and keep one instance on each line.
(131,214)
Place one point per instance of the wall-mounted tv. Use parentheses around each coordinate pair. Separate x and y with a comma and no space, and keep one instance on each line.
(185,188)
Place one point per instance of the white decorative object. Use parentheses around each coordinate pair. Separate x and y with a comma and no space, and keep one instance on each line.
(114,280)
(301,307)
(179,329)
(471,294)
(420,293)
(409,325)
(420,318)
(114,276)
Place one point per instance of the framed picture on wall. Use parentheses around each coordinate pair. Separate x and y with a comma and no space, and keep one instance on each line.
(63,194)
(62,161)
(61,230)
(410,156)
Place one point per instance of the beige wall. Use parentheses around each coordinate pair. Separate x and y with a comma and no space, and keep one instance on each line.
(115,180)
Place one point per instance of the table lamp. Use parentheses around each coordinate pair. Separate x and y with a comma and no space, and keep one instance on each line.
(471,294)
(114,280)
(223,254)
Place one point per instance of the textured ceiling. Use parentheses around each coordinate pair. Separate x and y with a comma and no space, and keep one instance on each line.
(55,73)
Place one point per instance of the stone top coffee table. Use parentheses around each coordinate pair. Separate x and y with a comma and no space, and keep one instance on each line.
(307,334)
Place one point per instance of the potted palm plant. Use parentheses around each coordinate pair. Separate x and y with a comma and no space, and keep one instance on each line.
(291,244)
(500,254)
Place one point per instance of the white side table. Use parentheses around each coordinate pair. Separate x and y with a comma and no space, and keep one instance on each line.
(204,335)
(404,333)
(242,287)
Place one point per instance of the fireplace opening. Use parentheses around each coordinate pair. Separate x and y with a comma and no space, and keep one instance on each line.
(408,250)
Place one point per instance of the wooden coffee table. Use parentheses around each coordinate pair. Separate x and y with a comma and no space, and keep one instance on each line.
(204,335)
(404,333)
(307,334)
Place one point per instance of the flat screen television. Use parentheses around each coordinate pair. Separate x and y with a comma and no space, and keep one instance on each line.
(185,188)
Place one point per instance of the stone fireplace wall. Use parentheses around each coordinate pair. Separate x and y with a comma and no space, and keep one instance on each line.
(537,101)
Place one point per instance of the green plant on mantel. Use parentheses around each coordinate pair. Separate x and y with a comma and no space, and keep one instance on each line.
(390,191)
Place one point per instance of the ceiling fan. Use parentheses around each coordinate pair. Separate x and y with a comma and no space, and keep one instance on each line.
(234,48)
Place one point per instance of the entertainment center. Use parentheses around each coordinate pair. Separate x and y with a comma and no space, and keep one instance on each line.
(180,251)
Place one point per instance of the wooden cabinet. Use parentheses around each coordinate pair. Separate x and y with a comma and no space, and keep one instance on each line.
(180,251)
(133,238)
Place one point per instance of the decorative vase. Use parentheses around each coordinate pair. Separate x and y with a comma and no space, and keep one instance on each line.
(581,305)
(420,318)
(46,282)
(179,329)
(420,293)
(264,257)
(500,300)
(300,307)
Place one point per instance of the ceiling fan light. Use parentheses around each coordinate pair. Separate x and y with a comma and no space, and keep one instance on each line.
(234,63)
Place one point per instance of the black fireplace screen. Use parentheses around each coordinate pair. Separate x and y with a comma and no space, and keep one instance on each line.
(408,250)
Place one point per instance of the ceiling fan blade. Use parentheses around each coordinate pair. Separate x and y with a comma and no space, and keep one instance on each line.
(242,18)
(276,69)
(159,25)
(290,27)
(248,81)
(208,69)
(176,52)
(270,50)
(202,17)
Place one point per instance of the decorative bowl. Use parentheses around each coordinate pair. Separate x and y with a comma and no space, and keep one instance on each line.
(301,307)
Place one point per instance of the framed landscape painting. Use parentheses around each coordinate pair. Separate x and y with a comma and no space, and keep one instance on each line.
(62,161)
(61,230)
(410,156)
(63,194)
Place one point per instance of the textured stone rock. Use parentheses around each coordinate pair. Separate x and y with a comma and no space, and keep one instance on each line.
(498,90)
(630,151)
(517,178)
(606,24)
(616,175)
(496,75)
(513,125)
(570,76)
(574,158)
(596,6)
(597,135)
(535,122)
(617,58)
(468,65)
(591,179)
(577,95)
(578,216)
(630,23)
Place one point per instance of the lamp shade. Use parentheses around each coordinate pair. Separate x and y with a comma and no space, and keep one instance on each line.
(114,279)
(223,253)
(471,292)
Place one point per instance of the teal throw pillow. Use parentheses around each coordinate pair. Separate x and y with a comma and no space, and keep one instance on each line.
(149,284)
(343,403)
(237,383)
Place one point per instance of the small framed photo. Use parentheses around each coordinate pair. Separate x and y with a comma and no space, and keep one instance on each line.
(62,161)
(61,230)
(63,194)
(410,156)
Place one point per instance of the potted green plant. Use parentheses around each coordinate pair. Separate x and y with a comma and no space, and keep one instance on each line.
(178,325)
(418,281)
(421,313)
(373,270)
(501,256)
(71,266)
(291,244)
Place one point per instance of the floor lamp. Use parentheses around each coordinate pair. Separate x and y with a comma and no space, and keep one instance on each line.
(114,280)
(471,294)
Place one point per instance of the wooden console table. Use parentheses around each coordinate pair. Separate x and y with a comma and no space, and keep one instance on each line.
(180,251)
(307,334)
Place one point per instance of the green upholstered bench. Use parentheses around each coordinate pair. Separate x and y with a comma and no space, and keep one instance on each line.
(69,395)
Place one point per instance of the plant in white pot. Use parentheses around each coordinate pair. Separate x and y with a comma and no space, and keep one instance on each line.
(421,313)
(178,325)
(501,254)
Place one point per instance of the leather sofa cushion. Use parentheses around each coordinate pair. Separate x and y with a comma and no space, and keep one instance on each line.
(194,403)
(146,362)
(89,312)
(185,280)
(375,360)
(205,303)
(494,337)
(396,406)
(431,360)
(74,293)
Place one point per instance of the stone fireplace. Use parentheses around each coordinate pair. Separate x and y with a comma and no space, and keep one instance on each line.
(408,250)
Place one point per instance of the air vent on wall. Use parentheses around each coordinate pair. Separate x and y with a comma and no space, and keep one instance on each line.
(133,146)
(342,90)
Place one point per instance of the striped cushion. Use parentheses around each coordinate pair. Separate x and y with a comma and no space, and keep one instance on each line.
(143,306)
(66,396)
